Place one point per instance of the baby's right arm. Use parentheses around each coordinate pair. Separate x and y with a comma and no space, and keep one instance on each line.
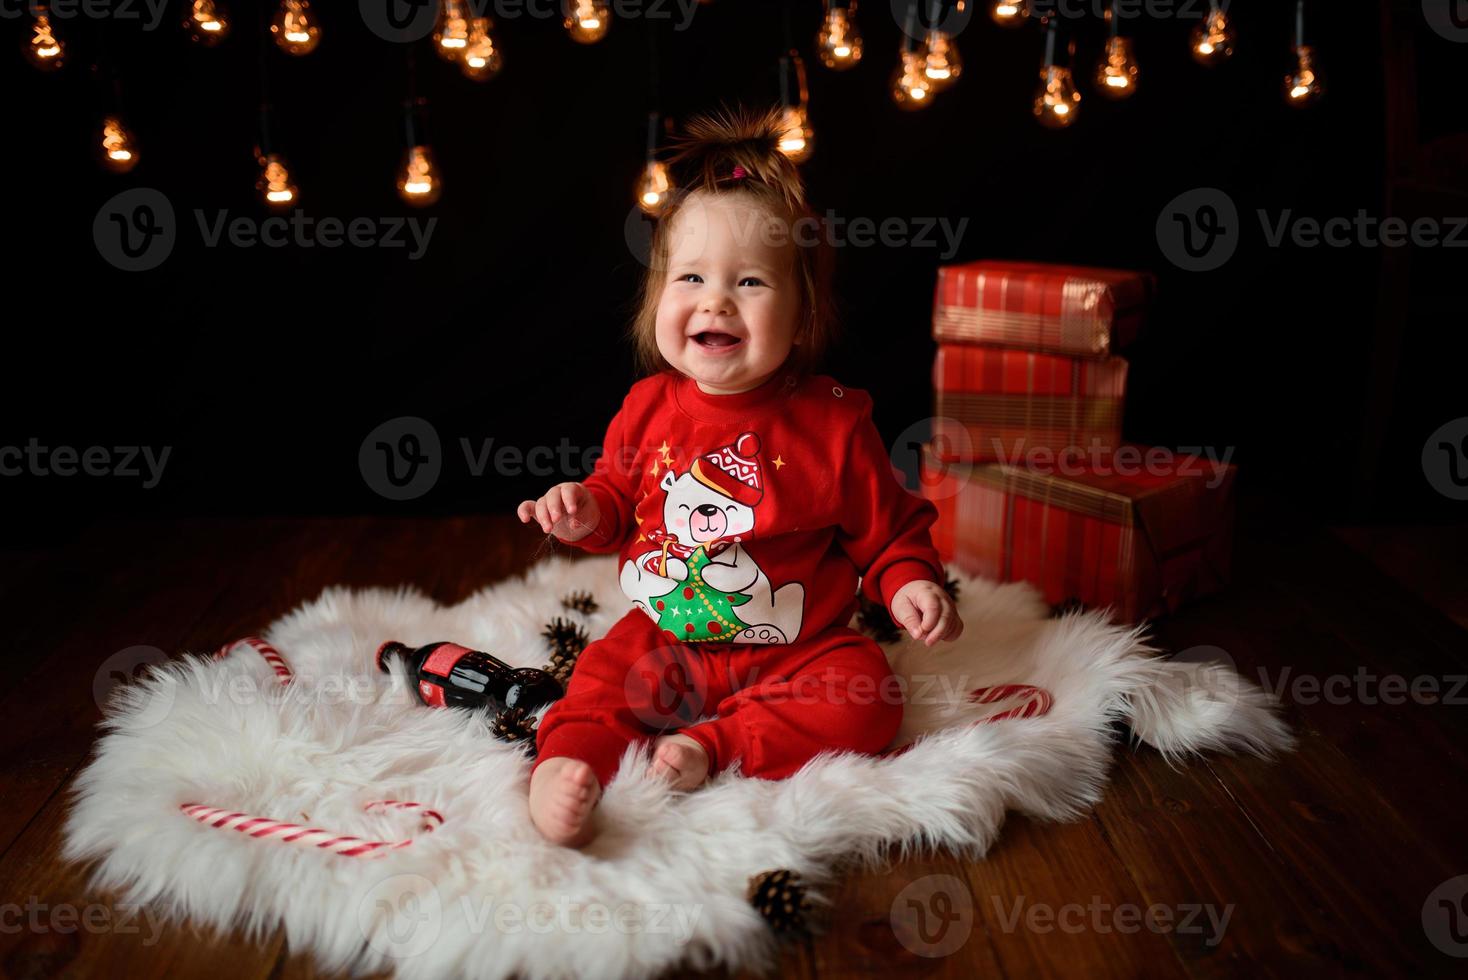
(567,510)
(596,515)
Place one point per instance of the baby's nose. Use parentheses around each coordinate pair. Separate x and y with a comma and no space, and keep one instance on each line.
(716,302)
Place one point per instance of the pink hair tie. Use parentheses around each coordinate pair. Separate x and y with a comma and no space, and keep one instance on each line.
(739,173)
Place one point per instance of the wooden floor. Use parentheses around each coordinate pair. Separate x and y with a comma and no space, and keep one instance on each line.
(1322,861)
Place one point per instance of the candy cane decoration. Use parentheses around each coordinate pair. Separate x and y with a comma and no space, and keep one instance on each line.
(264,828)
(269,653)
(1037,700)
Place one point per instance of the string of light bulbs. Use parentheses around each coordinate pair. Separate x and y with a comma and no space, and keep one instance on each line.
(928,64)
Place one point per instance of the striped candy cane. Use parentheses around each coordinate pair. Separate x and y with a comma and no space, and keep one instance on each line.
(269,653)
(264,828)
(1036,700)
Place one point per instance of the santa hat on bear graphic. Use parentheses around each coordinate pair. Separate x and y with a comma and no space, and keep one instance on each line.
(733,470)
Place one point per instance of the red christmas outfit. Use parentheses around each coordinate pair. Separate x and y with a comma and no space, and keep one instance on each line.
(743,523)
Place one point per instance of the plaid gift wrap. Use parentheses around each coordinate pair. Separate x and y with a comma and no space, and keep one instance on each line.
(1141,543)
(1035,306)
(1007,402)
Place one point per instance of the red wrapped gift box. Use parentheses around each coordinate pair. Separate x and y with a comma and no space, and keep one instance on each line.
(1036,306)
(1006,403)
(1102,534)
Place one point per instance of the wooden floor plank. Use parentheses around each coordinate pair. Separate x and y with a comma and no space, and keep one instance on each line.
(271,570)
(1294,637)
(1056,901)
(51,712)
(1325,856)
(914,919)
(1191,848)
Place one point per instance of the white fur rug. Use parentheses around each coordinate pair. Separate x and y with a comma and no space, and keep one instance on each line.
(665,882)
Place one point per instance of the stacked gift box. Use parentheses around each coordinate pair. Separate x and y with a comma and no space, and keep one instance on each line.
(1027,466)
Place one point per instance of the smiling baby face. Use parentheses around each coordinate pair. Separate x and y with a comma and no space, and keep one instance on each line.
(730,304)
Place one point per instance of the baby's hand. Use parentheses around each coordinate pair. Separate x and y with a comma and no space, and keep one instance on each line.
(927,612)
(567,510)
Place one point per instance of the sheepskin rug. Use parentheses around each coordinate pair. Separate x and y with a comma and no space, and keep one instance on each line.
(665,883)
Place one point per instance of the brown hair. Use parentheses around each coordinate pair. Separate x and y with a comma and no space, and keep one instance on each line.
(704,162)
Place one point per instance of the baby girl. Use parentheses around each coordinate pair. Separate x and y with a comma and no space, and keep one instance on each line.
(745,496)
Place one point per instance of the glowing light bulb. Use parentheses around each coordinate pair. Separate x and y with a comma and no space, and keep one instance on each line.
(941,65)
(654,188)
(451,37)
(1057,101)
(1116,73)
(295,28)
(482,60)
(588,20)
(1303,86)
(839,43)
(1009,13)
(419,182)
(44,49)
(911,87)
(274,185)
(1213,38)
(206,23)
(119,149)
(797,139)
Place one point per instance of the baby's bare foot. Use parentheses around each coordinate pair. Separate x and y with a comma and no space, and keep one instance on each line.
(681,761)
(563,794)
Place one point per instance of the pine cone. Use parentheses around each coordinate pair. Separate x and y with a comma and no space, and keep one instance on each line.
(1066,607)
(874,620)
(951,587)
(566,639)
(779,897)
(581,602)
(515,725)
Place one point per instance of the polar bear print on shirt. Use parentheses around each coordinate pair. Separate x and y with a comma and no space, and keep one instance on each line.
(699,582)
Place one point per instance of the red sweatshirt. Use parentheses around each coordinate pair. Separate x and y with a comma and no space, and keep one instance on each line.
(751,517)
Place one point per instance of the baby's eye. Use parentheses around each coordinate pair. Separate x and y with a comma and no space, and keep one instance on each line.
(754,279)
(690,275)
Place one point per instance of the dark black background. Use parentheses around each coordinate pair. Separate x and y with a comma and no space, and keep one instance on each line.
(264,368)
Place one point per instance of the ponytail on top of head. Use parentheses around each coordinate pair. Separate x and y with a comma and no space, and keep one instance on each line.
(737,151)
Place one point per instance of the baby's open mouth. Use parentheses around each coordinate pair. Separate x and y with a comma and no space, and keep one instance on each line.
(715,339)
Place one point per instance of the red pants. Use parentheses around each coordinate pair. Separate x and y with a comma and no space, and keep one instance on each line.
(778,706)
